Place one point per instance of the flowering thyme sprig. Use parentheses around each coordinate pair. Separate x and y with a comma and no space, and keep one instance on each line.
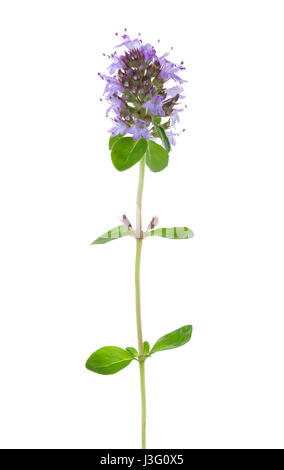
(143,92)
(137,93)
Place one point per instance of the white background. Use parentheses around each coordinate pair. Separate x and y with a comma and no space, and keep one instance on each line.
(61,299)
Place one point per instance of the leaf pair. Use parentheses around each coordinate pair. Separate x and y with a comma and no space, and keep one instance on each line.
(111,359)
(179,233)
(126,152)
(134,351)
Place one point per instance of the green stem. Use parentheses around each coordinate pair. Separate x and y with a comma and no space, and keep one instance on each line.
(143,402)
(139,199)
(138,298)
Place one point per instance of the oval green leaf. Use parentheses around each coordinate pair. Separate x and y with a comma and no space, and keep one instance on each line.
(109,360)
(112,234)
(157,158)
(146,347)
(113,140)
(178,233)
(132,351)
(163,136)
(126,152)
(173,340)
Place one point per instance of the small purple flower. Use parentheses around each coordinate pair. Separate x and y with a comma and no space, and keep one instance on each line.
(155,105)
(139,130)
(175,90)
(130,44)
(148,51)
(119,128)
(117,63)
(112,85)
(175,116)
(169,70)
(171,136)
(116,105)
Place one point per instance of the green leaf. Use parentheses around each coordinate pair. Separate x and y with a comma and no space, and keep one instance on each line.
(179,233)
(163,136)
(132,351)
(108,360)
(112,141)
(173,340)
(156,157)
(126,152)
(112,234)
(146,347)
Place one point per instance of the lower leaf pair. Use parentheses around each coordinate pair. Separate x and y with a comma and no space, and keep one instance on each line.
(178,233)
(111,359)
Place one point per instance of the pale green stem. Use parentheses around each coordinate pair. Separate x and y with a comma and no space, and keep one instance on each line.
(138,301)
(139,199)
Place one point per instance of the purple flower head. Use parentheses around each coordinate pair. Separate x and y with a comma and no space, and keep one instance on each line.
(139,129)
(155,105)
(140,85)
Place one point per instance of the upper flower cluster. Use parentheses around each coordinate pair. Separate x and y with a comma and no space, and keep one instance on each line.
(136,91)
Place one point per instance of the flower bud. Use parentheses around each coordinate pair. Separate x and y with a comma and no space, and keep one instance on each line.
(153,223)
(126,222)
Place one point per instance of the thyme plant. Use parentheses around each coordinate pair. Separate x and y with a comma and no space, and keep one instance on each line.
(144,93)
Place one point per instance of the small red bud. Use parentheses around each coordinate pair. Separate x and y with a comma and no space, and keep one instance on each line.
(153,223)
(126,222)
